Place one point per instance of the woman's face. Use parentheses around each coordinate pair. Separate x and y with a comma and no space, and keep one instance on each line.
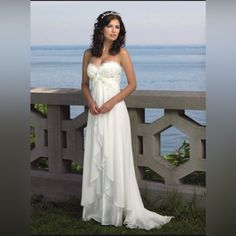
(112,30)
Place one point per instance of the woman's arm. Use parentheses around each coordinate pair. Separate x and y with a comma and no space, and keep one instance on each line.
(85,85)
(127,65)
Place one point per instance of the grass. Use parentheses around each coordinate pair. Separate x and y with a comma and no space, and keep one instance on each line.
(66,218)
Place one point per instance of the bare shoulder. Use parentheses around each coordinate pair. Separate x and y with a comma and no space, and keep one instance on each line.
(124,57)
(124,52)
(87,56)
(87,53)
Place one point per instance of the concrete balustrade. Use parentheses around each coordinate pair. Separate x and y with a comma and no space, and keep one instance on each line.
(61,140)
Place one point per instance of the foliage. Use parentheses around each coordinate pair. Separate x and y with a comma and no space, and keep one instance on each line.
(43,108)
(196,177)
(76,167)
(149,174)
(180,156)
(41,163)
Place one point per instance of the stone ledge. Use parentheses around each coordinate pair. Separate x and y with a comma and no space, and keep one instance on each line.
(62,187)
(178,100)
(55,187)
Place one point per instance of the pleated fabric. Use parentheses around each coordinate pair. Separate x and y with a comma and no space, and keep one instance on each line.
(110,193)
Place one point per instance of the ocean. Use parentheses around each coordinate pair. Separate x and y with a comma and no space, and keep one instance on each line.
(170,67)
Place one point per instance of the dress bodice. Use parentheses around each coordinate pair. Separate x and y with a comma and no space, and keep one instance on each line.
(109,70)
(104,80)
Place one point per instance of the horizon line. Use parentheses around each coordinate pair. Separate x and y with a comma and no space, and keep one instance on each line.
(190,44)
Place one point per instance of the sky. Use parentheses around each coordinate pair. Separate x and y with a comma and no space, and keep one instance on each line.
(146,22)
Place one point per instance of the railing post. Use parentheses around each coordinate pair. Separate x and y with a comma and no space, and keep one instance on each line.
(136,117)
(55,116)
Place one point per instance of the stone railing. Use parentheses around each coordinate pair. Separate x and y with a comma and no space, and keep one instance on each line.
(61,139)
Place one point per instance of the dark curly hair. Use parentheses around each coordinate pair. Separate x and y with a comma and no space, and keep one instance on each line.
(98,38)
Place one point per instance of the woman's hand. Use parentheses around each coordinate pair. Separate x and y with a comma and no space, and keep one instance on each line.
(93,108)
(107,106)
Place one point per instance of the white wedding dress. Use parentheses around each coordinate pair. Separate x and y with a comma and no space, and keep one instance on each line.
(110,194)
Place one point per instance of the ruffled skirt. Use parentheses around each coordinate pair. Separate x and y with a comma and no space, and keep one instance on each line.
(110,194)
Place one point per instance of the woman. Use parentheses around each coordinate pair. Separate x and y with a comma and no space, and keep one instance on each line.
(110,193)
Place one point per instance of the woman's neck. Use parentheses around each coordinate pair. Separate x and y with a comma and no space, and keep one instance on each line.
(106,46)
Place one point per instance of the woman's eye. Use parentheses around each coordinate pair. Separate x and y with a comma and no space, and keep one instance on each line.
(110,26)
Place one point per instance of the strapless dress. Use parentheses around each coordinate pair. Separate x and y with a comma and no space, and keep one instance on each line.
(110,193)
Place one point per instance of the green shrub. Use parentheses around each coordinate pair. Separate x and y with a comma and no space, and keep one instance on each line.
(43,108)
(180,156)
(76,167)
